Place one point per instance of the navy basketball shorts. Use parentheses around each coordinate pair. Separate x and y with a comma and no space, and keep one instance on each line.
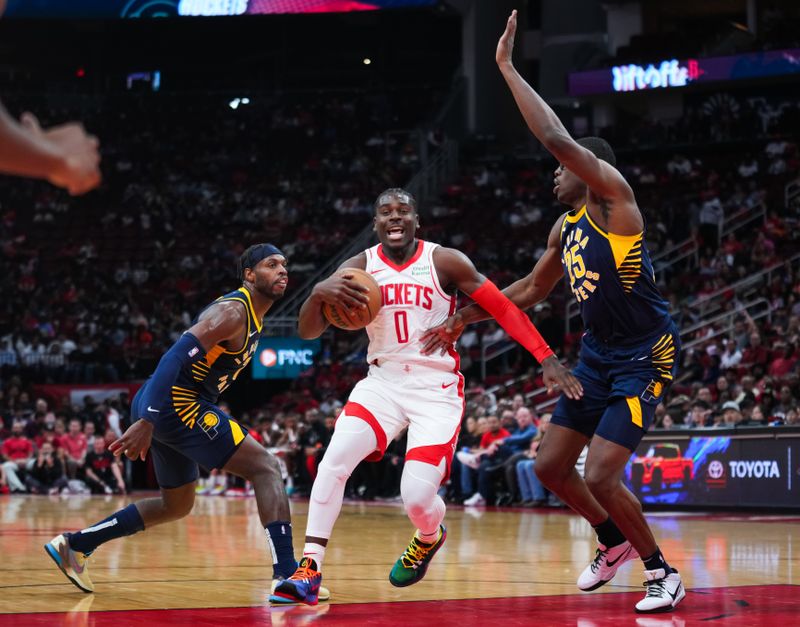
(622,386)
(185,436)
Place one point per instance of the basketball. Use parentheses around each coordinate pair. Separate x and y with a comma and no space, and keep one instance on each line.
(354,319)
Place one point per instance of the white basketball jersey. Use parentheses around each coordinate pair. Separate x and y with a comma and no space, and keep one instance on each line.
(413,301)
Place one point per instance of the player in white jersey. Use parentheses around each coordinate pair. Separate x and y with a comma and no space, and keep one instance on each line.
(404,388)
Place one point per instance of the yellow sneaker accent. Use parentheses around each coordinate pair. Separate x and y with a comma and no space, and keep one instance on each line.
(73,564)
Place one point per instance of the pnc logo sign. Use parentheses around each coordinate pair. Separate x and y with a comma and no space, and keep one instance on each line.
(286,357)
(268,358)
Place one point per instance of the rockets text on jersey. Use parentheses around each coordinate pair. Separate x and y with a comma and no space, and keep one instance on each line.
(413,301)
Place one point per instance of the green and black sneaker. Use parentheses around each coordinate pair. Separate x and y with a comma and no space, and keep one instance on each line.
(413,563)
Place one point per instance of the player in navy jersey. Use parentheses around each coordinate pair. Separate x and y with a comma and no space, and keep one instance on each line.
(176,416)
(629,350)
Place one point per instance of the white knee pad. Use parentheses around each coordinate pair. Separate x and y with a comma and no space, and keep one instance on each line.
(352,441)
(329,478)
(419,488)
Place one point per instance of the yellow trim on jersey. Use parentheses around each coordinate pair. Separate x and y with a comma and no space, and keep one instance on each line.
(252,311)
(248,307)
(636,409)
(236,431)
(620,244)
(574,218)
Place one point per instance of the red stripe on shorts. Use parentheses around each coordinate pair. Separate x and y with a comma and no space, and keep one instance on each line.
(434,453)
(359,411)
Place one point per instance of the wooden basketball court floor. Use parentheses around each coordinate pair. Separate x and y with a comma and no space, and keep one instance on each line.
(511,567)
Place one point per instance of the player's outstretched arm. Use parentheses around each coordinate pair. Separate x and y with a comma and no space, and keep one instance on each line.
(602,178)
(337,289)
(456,269)
(219,323)
(524,293)
(64,155)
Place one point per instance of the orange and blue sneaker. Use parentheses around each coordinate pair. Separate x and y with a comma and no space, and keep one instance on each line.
(73,564)
(302,587)
(413,563)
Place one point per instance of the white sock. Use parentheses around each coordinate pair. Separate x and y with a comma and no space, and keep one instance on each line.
(316,552)
(428,538)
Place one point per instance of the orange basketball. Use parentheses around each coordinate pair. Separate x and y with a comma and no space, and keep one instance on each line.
(353,319)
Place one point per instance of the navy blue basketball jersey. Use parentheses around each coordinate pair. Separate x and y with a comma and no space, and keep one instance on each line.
(613,281)
(207,379)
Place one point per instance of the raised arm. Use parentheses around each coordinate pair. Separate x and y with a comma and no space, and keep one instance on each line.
(602,178)
(337,289)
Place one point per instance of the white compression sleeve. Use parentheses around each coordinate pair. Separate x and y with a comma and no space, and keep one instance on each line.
(419,488)
(352,441)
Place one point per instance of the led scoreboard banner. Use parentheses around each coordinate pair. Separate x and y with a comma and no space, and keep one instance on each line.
(672,73)
(193,8)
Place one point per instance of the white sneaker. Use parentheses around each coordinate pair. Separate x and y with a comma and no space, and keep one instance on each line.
(72,563)
(470,460)
(663,591)
(475,499)
(605,565)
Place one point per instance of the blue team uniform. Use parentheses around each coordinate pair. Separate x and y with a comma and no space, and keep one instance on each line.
(629,350)
(189,428)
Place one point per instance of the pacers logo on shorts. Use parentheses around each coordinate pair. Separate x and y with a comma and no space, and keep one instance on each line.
(653,391)
(209,423)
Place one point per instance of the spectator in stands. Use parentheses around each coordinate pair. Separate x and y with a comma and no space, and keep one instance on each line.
(90,431)
(747,408)
(731,356)
(731,415)
(46,475)
(113,419)
(17,454)
(514,447)
(747,389)
(486,463)
(786,402)
(467,460)
(699,415)
(755,354)
(75,448)
(533,493)
(783,361)
(103,470)
(711,218)
(48,436)
(667,422)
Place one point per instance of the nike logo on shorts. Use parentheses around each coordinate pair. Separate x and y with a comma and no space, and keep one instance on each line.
(444,387)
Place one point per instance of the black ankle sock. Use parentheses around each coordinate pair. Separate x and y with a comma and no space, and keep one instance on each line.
(656,561)
(608,533)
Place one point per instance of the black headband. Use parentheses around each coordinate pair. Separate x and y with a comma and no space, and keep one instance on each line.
(257,253)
